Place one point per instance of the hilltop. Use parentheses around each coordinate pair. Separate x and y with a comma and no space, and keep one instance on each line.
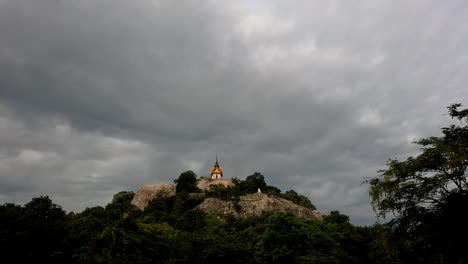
(256,204)
(224,197)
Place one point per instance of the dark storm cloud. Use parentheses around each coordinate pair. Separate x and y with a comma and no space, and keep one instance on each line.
(102,96)
(108,62)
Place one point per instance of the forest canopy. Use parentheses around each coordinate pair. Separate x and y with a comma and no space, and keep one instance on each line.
(428,194)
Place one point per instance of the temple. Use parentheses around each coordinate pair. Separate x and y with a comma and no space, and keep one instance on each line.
(216,171)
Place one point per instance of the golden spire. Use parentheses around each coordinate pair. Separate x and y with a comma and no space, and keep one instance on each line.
(216,171)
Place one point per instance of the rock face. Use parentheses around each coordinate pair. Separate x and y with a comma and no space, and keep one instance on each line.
(151,191)
(256,204)
(245,206)
(206,184)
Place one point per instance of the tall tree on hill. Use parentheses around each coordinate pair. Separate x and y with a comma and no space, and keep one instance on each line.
(254,182)
(187,181)
(428,195)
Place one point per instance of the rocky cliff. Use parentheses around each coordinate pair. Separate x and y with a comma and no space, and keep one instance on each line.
(151,191)
(207,184)
(244,206)
(255,205)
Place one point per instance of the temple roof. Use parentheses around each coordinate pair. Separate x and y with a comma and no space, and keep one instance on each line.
(216,168)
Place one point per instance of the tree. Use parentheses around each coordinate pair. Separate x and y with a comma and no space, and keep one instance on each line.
(82,228)
(272,190)
(187,181)
(121,204)
(284,239)
(43,210)
(44,230)
(424,192)
(253,182)
(12,231)
(298,199)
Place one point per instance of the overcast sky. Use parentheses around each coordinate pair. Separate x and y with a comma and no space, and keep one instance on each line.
(102,96)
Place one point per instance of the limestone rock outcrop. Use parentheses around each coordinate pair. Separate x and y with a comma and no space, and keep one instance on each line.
(206,184)
(151,191)
(255,205)
(243,206)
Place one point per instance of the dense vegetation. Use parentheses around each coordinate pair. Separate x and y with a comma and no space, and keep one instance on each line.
(173,230)
(427,196)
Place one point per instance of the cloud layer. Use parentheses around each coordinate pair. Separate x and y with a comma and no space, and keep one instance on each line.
(102,96)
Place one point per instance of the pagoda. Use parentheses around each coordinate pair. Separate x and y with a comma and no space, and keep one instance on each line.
(216,171)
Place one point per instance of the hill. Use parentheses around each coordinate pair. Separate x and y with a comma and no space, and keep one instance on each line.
(248,205)
(256,204)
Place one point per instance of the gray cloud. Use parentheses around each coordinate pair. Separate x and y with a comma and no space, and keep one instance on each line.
(102,96)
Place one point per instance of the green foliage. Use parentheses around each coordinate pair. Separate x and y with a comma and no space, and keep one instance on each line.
(191,220)
(296,198)
(43,210)
(35,232)
(185,201)
(83,227)
(418,185)
(187,182)
(257,181)
(160,209)
(426,194)
(223,193)
(283,240)
(272,190)
(241,187)
(173,230)
(253,182)
(125,242)
(170,230)
(13,230)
